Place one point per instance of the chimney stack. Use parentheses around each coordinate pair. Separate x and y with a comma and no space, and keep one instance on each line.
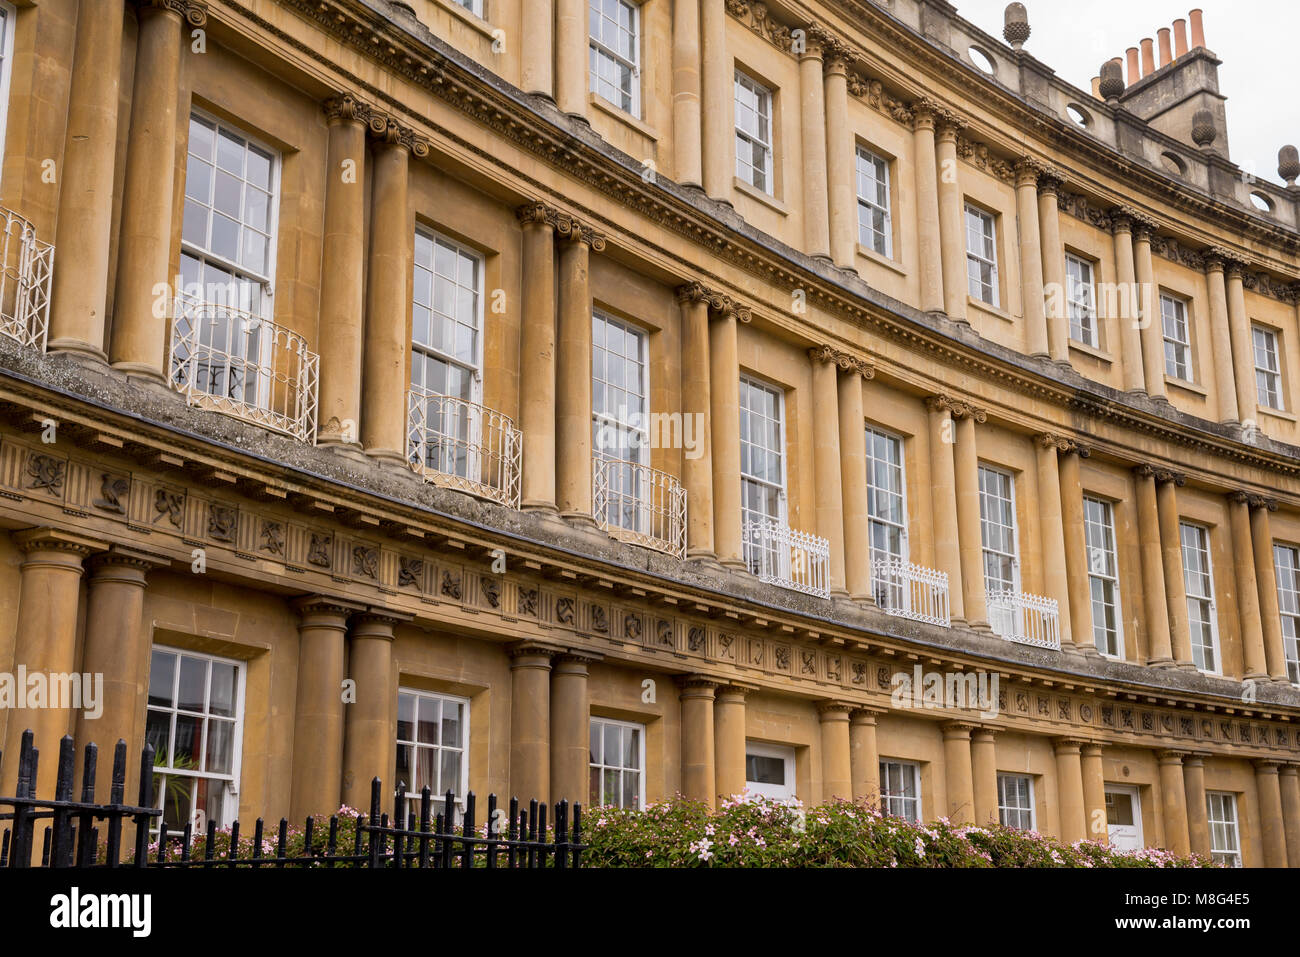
(1198,29)
(1180,37)
(1166,50)
(1148,56)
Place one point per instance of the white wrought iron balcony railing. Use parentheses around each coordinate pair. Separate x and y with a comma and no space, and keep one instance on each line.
(1025,619)
(27,266)
(911,591)
(638,504)
(234,361)
(781,555)
(463,445)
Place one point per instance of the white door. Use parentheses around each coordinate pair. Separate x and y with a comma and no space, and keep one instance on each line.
(1123,817)
(769,771)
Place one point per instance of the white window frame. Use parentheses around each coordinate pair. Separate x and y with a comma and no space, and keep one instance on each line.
(1205,599)
(1288,604)
(640,769)
(890,799)
(766,98)
(1006,809)
(1103,570)
(1131,791)
(1225,827)
(892,440)
(1081,299)
(462,786)
(598,51)
(786,792)
(8,18)
(748,515)
(471,6)
(979,258)
(1178,351)
(868,204)
(619,421)
(985,551)
(1268,378)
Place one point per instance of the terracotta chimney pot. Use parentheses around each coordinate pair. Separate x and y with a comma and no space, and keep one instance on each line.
(1134,71)
(1198,28)
(1166,50)
(1180,37)
(1148,56)
(1096,87)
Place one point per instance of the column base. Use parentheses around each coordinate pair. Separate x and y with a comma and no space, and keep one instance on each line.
(1187,666)
(140,373)
(1284,682)
(388,459)
(349,450)
(736,565)
(983,627)
(1161,663)
(83,353)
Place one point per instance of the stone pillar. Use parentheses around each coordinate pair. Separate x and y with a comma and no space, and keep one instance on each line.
(369,734)
(1032,256)
(1051,522)
(984,774)
(570,731)
(929,247)
(573,373)
(1173,802)
(717,84)
(1171,553)
(1094,793)
(687,151)
(814,141)
(537,356)
(699,775)
(138,342)
(1159,650)
(1261,535)
(1076,547)
(969,531)
(957,773)
(45,641)
(79,295)
(342,274)
(1153,340)
(571,40)
(853,481)
(1272,830)
(1243,348)
(538,50)
(841,161)
(1126,299)
(1198,820)
(724,401)
(952,222)
(697,467)
(827,462)
(530,722)
(1289,783)
(1220,339)
(943,499)
(837,778)
(864,756)
(729,740)
(1069,790)
(318,718)
(1049,219)
(1254,659)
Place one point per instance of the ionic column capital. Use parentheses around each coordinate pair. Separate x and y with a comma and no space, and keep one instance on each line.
(1160,474)
(388,131)
(193,12)
(845,361)
(957,408)
(572,230)
(719,302)
(344,108)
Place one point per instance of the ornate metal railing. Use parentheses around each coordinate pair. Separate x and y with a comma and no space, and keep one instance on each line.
(25,272)
(639,504)
(234,361)
(781,555)
(463,445)
(1026,619)
(911,591)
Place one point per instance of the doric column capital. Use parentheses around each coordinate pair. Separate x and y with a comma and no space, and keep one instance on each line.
(834,710)
(344,107)
(1170,756)
(1092,749)
(313,606)
(1267,765)
(1068,745)
(698,686)
(866,717)
(957,408)
(119,558)
(958,729)
(734,691)
(193,12)
(47,539)
(574,662)
(984,733)
(387,130)
(845,361)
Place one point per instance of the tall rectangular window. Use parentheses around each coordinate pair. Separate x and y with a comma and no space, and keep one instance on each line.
(998,530)
(620,403)
(1286,561)
(193,719)
(433,743)
(614,53)
(886,495)
(1080,295)
(762,463)
(1178,341)
(982,255)
(1268,368)
(617,763)
(1198,578)
(1103,576)
(754,133)
(1225,841)
(6,60)
(875,231)
(900,789)
(1016,801)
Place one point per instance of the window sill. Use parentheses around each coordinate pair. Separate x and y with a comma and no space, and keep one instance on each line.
(1099,354)
(624,117)
(470,19)
(1186,386)
(767,199)
(981,306)
(872,256)
(1276,413)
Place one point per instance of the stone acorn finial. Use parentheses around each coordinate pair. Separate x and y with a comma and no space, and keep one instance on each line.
(1288,164)
(1112,80)
(1204,132)
(1016,25)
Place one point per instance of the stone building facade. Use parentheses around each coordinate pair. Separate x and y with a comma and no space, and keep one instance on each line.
(601,399)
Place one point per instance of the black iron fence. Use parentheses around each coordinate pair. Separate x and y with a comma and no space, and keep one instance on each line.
(419,833)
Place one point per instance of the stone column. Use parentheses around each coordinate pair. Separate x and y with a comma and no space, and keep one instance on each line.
(943,499)
(952,222)
(1243,348)
(1153,340)
(1173,802)
(45,642)
(1220,339)
(717,83)
(1053,253)
(687,150)
(1261,535)
(342,274)
(79,295)
(1051,522)
(969,531)
(1094,793)
(984,774)
(699,775)
(724,401)
(1289,783)
(570,731)
(1272,831)
(853,480)
(537,50)
(729,740)
(841,161)
(957,773)
(1032,256)
(864,756)
(697,467)
(318,718)
(537,356)
(138,342)
(1171,553)
(571,40)
(1069,789)
(929,247)
(827,461)
(530,722)
(837,778)
(814,142)
(1159,650)
(1254,659)
(369,735)
(1198,820)
(1077,560)
(1127,299)
(573,374)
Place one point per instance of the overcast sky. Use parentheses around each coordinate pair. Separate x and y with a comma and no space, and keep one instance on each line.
(1255,39)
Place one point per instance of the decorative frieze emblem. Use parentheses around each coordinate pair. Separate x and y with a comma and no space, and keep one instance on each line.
(365,562)
(410,571)
(664,629)
(222,521)
(169,505)
(491,591)
(695,638)
(46,473)
(808,662)
(632,627)
(727,647)
(527,601)
(599,620)
(272,537)
(564,611)
(113,491)
(451,587)
(318,551)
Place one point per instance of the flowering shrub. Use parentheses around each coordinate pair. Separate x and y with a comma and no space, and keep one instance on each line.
(765,833)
